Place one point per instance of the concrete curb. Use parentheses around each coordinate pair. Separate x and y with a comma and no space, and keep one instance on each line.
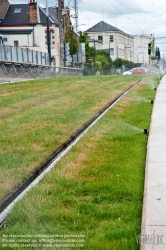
(153,231)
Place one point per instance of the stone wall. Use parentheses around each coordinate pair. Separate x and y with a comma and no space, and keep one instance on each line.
(28,71)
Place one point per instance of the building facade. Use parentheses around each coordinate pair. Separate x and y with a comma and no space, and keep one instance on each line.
(24,25)
(141,57)
(118,43)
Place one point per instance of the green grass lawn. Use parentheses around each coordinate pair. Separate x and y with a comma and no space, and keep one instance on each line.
(96,190)
(38,116)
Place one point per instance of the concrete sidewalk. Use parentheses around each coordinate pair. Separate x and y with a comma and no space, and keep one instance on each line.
(153,234)
(13,80)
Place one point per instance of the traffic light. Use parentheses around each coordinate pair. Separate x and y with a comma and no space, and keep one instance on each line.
(149,48)
(158,54)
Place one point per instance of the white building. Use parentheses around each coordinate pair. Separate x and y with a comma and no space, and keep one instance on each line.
(24,25)
(141,57)
(118,43)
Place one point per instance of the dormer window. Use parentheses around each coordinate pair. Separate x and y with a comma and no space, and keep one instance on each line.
(17,11)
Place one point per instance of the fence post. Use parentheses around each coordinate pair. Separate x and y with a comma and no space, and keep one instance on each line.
(32,57)
(11,54)
(5,56)
(1,52)
(36,57)
(22,52)
(41,58)
(27,56)
(17,53)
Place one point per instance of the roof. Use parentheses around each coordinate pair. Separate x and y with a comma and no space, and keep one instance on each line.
(52,13)
(104,27)
(16,31)
(12,18)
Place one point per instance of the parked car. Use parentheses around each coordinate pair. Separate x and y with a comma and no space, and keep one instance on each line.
(139,70)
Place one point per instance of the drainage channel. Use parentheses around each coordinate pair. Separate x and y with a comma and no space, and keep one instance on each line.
(33,180)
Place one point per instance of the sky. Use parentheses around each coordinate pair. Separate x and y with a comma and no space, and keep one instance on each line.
(131,16)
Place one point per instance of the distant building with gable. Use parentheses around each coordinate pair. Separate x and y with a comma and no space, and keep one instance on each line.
(24,25)
(107,37)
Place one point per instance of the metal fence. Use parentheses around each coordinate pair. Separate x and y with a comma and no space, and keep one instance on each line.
(22,55)
(89,70)
(26,63)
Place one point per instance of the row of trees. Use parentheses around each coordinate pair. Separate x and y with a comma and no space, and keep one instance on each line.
(102,58)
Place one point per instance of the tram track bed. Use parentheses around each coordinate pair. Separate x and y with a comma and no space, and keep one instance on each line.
(37,117)
(68,173)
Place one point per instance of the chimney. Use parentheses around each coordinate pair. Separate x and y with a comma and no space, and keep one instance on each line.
(4,5)
(33,11)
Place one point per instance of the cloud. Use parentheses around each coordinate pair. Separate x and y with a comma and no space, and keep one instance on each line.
(131,16)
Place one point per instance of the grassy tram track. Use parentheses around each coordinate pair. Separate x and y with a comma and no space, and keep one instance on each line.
(38,116)
(88,192)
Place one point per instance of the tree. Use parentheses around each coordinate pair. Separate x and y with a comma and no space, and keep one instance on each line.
(106,55)
(88,50)
(104,61)
(118,63)
(153,46)
(73,43)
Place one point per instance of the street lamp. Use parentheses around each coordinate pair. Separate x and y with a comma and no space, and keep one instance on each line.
(48,34)
(81,24)
(72,32)
(64,12)
(94,42)
(108,45)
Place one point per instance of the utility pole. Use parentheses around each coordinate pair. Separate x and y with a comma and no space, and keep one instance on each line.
(109,48)
(60,20)
(94,57)
(64,40)
(74,5)
(48,34)
(76,14)
(71,30)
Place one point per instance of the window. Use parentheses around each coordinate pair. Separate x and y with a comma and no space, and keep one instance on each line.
(5,40)
(111,52)
(1,39)
(17,11)
(111,38)
(121,39)
(100,38)
(120,52)
(16,43)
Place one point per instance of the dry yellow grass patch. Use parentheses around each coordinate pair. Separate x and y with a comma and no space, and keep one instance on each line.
(9,111)
(71,168)
(37,147)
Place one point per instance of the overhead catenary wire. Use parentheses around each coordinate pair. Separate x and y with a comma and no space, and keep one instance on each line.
(130,19)
(158,13)
(126,16)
